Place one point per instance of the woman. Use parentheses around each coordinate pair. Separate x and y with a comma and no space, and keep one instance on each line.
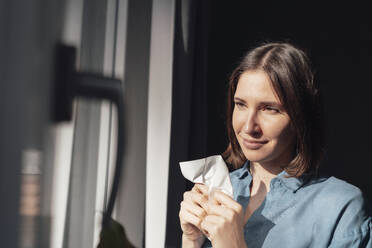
(274,124)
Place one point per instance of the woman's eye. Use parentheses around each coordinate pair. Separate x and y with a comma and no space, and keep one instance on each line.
(271,109)
(239,104)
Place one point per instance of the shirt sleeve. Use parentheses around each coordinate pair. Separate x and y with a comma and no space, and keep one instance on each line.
(354,226)
(362,240)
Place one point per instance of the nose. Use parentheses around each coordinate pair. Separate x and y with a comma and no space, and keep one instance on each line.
(251,125)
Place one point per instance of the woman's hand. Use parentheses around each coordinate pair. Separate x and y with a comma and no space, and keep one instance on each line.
(225,222)
(192,213)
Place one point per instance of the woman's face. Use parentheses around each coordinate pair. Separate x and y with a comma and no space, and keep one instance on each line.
(261,125)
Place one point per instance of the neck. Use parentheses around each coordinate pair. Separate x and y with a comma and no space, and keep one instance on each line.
(262,175)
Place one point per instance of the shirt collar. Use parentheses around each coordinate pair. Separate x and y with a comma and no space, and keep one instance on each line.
(243,172)
(292,183)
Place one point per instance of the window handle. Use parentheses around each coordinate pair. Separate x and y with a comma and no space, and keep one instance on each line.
(69,84)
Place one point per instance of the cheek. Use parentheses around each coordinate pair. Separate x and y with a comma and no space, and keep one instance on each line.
(235,121)
(277,130)
(238,121)
(286,137)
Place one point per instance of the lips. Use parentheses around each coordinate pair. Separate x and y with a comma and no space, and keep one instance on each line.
(253,144)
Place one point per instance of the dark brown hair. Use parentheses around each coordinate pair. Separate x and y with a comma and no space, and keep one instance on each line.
(289,70)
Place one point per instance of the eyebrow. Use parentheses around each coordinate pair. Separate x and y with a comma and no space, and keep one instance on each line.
(262,103)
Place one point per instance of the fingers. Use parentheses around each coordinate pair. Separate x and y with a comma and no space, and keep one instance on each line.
(210,224)
(190,224)
(187,215)
(197,204)
(193,209)
(228,215)
(201,188)
(196,197)
(219,210)
(227,201)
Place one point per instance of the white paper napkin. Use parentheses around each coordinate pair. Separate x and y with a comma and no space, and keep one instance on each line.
(211,171)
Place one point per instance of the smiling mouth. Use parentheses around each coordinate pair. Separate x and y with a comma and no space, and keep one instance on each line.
(253,144)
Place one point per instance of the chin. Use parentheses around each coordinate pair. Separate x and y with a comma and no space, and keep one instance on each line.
(255,156)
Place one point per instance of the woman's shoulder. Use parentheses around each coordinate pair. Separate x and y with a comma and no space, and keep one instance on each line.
(334,189)
(341,205)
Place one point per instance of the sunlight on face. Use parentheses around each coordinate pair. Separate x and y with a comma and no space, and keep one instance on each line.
(261,125)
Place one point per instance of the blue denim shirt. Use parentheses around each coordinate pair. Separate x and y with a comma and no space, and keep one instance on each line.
(304,212)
